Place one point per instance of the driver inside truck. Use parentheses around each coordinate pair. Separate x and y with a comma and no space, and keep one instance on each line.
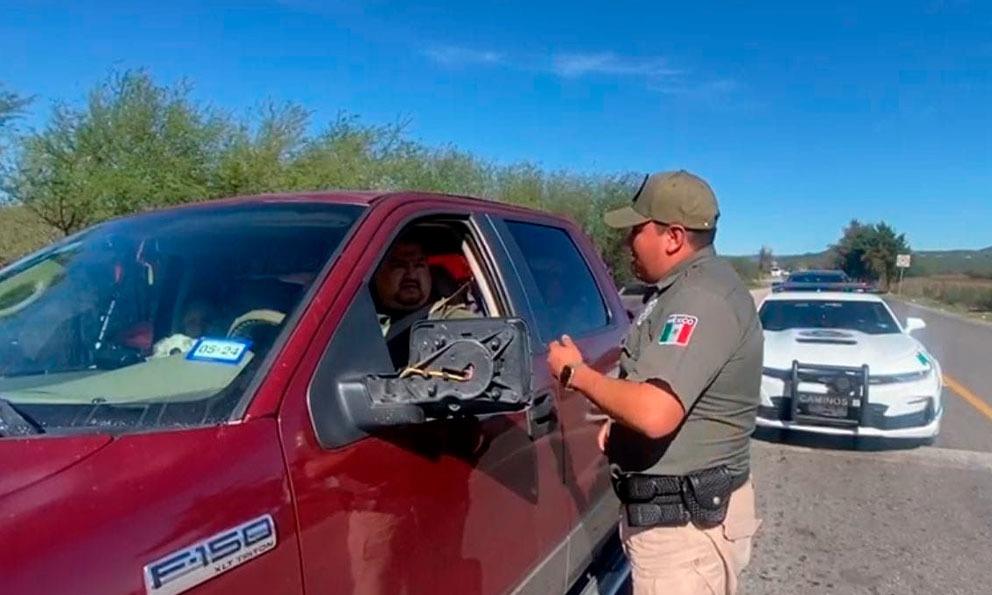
(198,319)
(406,291)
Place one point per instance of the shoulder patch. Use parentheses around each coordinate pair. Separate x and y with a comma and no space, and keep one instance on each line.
(678,330)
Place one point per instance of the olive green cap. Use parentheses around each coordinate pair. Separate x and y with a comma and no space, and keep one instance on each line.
(673,197)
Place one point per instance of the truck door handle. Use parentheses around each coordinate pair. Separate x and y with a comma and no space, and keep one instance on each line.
(542,417)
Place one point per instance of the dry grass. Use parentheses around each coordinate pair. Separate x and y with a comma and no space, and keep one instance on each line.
(21,232)
(973,295)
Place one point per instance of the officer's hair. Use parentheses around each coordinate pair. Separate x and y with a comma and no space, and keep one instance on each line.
(697,239)
(700,239)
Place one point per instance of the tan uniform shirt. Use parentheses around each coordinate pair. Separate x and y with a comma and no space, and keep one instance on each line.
(700,335)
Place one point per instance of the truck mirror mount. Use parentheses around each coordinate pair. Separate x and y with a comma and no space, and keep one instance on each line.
(457,367)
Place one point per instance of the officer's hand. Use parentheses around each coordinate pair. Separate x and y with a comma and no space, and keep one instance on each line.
(604,435)
(561,353)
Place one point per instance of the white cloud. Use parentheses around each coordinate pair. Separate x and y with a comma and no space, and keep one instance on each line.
(565,65)
(458,56)
(653,73)
(610,64)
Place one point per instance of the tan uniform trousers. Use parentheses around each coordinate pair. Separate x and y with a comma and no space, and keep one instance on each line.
(692,561)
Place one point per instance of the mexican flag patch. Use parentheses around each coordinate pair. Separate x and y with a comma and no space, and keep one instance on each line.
(678,330)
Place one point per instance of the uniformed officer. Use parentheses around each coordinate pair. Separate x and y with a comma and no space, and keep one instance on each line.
(683,407)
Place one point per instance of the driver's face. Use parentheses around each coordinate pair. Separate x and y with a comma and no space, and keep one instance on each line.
(195,320)
(403,281)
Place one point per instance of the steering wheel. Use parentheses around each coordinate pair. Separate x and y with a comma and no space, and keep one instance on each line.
(244,326)
(33,290)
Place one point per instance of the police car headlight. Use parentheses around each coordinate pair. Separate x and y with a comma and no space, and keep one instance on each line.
(897,378)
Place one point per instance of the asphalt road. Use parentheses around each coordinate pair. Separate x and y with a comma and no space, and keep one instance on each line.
(964,349)
(882,518)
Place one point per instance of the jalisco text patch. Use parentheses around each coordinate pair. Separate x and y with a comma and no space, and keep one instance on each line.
(678,330)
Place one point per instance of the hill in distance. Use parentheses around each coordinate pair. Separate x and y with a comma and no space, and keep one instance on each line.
(976,263)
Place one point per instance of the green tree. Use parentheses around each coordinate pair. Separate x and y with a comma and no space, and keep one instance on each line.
(868,252)
(135,145)
(612,192)
(848,252)
(255,158)
(882,251)
(21,232)
(11,108)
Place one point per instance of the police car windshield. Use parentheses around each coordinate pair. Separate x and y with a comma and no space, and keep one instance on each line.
(171,306)
(867,317)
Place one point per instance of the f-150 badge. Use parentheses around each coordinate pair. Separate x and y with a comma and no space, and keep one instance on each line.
(215,555)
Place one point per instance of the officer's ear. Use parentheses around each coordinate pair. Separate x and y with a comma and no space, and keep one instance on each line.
(675,237)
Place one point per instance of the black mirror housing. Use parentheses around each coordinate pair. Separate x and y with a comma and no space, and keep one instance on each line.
(457,367)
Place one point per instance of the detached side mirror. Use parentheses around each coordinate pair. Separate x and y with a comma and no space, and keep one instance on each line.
(915,324)
(457,367)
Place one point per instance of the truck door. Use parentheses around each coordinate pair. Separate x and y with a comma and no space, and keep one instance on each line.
(569,292)
(444,506)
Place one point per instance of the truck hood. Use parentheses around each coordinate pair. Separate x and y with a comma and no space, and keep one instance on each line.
(30,460)
(885,354)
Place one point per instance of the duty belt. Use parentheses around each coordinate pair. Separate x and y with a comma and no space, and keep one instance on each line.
(700,498)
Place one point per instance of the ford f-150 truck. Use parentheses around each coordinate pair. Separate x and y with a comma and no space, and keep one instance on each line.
(204,399)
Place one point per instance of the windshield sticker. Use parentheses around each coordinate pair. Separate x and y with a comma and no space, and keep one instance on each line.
(184,569)
(678,330)
(219,351)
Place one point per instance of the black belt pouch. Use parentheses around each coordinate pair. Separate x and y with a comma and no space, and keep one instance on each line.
(707,496)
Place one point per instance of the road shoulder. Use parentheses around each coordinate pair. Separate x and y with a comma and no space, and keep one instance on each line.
(940,311)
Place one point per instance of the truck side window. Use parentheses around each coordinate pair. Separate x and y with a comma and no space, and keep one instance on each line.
(430,271)
(571,298)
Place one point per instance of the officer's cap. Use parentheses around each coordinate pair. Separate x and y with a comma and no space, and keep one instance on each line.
(674,197)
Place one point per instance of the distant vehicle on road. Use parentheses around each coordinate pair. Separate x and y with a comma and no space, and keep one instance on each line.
(821,280)
(776,272)
(840,363)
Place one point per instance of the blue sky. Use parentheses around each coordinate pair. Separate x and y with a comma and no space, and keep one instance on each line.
(802,115)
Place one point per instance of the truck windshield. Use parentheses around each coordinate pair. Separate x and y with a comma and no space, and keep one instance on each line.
(161,318)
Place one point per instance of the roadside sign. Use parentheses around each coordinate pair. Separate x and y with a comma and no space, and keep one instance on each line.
(902,263)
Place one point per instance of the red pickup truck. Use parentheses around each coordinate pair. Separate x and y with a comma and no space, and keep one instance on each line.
(205,399)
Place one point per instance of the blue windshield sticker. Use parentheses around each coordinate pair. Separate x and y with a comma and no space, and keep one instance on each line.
(219,351)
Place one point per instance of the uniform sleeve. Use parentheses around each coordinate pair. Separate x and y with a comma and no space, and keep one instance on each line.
(687,344)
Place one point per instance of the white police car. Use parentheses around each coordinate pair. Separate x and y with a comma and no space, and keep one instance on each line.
(840,363)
